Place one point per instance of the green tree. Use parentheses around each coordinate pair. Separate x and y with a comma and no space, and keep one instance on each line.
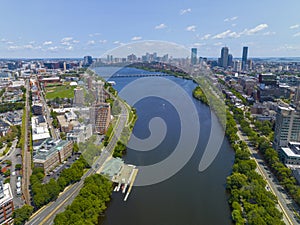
(22,214)
(236,181)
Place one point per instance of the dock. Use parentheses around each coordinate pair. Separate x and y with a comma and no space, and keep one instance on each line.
(135,171)
(121,174)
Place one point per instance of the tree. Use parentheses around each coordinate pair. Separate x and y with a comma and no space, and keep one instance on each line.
(236,181)
(21,215)
(18,167)
(75,147)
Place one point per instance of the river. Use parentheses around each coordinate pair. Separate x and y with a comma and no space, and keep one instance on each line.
(189,197)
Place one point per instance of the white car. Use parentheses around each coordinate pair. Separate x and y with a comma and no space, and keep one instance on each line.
(18,184)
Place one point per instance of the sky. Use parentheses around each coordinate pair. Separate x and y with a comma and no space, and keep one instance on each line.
(56,28)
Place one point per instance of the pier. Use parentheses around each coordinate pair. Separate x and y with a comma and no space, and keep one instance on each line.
(121,174)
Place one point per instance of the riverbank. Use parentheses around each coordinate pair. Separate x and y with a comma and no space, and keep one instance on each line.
(259,206)
(251,202)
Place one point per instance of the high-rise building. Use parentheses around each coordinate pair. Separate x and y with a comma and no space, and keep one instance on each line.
(194,56)
(224,57)
(237,66)
(230,60)
(6,203)
(100,117)
(87,60)
(287,126)
(244,58)
(78,96)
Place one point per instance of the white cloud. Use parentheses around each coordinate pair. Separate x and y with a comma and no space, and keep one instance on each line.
(28,47)
(269,33)
(297,34)
(191,28)
(160,26)
(94,34)
(102,41)
(218,43)
(185,11)
(10,42)
(287,47)
(295,26)
(13,47)
(256,29)
(234,35)
(47,43)
(246,32)
(230,19)
(233,25)
(136,38)
(222,35)
(67,39)
(199,44)
(91,42)
(69,48)
(53,48)
(206,37)
(3,40)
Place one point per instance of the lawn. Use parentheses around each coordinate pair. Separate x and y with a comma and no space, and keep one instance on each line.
(63,91)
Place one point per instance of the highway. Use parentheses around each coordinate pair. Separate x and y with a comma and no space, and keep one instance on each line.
(26,154)
(47,214)
(286,205)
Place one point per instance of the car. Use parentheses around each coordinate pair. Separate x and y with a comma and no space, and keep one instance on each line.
(18,184)
(19,178)
(19,192)
(13,173)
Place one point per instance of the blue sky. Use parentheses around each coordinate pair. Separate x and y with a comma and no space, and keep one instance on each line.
(35,28)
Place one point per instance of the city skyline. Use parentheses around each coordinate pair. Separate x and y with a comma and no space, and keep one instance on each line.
(74,30)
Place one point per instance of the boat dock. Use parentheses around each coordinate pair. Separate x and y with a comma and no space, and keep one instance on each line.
(121,174)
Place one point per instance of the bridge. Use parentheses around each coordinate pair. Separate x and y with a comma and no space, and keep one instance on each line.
(141,75)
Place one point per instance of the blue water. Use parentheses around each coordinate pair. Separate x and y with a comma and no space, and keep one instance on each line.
(189,197)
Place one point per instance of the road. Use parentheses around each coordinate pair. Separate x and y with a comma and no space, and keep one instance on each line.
(53,132)
(26,153)
(47,214)
(14,156)
(286,205)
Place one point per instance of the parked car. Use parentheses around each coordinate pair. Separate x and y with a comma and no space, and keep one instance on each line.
(18,184)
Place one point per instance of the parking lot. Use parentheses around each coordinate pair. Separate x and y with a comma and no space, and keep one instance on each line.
(56,171)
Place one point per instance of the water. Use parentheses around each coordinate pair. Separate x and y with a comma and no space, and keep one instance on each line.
(189,197)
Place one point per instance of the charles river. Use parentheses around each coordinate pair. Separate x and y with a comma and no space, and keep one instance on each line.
(189,197)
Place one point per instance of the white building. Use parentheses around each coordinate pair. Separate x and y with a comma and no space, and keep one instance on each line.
(287,126)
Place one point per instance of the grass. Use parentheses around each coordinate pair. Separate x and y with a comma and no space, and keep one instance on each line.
(63,91)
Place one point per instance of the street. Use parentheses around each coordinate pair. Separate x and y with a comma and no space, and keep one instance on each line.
(286,204)
(26,167)
(47,214)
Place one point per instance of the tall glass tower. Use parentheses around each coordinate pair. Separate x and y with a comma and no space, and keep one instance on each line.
(244,58)
(224,57)
(194,56)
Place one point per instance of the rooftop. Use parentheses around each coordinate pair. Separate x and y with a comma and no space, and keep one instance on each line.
(6,195)
(48,147)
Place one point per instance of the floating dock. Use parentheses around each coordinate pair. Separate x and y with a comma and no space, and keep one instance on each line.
(123,175)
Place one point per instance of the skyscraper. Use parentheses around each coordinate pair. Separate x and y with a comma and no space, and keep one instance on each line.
(194,56)
(287,126)
(244,58)
(230,60)
(224,57)
(100,117)
(87,60)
